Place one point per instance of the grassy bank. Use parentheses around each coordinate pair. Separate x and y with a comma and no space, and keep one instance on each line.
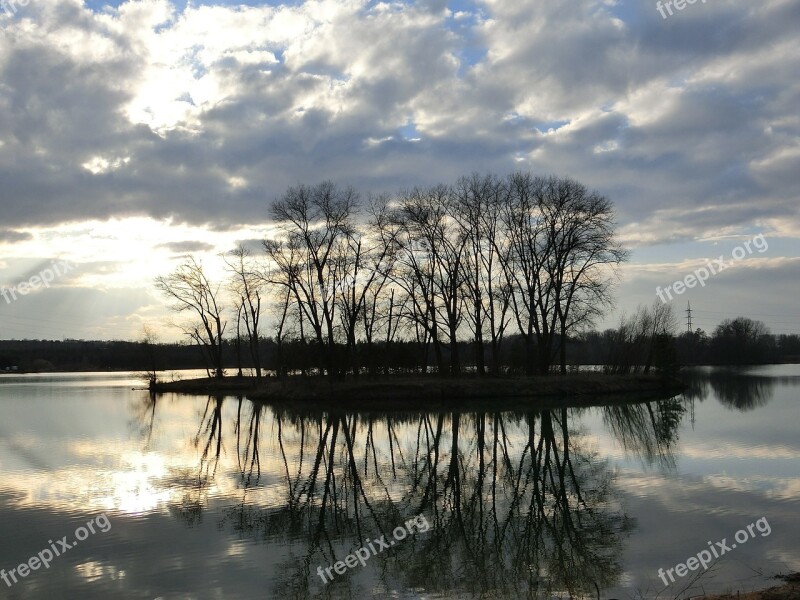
(426,391)
(206,385)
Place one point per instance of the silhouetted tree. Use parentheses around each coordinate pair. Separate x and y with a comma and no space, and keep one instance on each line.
(191,291)
(246,285)
(741,341)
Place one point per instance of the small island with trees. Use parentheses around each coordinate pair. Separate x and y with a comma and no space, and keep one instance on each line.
(448,292)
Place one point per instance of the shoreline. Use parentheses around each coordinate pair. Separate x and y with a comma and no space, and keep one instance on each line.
(788,590)
(405,392)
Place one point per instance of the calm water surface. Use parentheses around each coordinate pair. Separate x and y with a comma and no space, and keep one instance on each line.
(221,498)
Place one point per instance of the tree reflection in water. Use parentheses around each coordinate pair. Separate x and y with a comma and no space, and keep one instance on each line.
(737,389)
(648,430)
(519,504)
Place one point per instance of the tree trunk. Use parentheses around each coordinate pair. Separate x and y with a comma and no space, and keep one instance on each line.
(455,362)
(495,368)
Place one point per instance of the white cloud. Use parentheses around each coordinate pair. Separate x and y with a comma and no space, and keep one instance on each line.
(204,114)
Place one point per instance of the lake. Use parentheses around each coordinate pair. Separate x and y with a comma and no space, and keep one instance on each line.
(195,497)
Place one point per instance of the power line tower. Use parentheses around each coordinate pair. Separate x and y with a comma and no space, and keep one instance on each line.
(690,337)
(689,317)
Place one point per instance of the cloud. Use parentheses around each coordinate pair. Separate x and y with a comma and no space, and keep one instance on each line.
(255,246)
(10,236)
(207,113)
(187,246)
(202,114)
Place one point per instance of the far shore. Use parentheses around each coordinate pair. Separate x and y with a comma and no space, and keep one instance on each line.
(789,590)
(405,392)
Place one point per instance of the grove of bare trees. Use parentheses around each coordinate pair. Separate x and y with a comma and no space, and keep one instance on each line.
(437,266)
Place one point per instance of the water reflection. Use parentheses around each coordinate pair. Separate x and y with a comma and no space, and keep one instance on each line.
(736,389)
(520,504)
(648,430)
(144,414)
(220,497)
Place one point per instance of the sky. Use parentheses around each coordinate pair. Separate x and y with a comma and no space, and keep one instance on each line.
(134,133)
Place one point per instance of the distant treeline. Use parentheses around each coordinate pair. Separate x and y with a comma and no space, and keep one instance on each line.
(629,348)
(739,341)
(649,340)
(293,356)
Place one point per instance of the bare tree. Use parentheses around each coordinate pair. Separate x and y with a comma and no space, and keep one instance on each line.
(315,221)
(150,340)
(247,286)
(582,253)
(476,209)
(634,344)
(522,265)
(191,291)
(414,275)
(280,335)
(240,308)
(561,251)
(366,299)
(434,252)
